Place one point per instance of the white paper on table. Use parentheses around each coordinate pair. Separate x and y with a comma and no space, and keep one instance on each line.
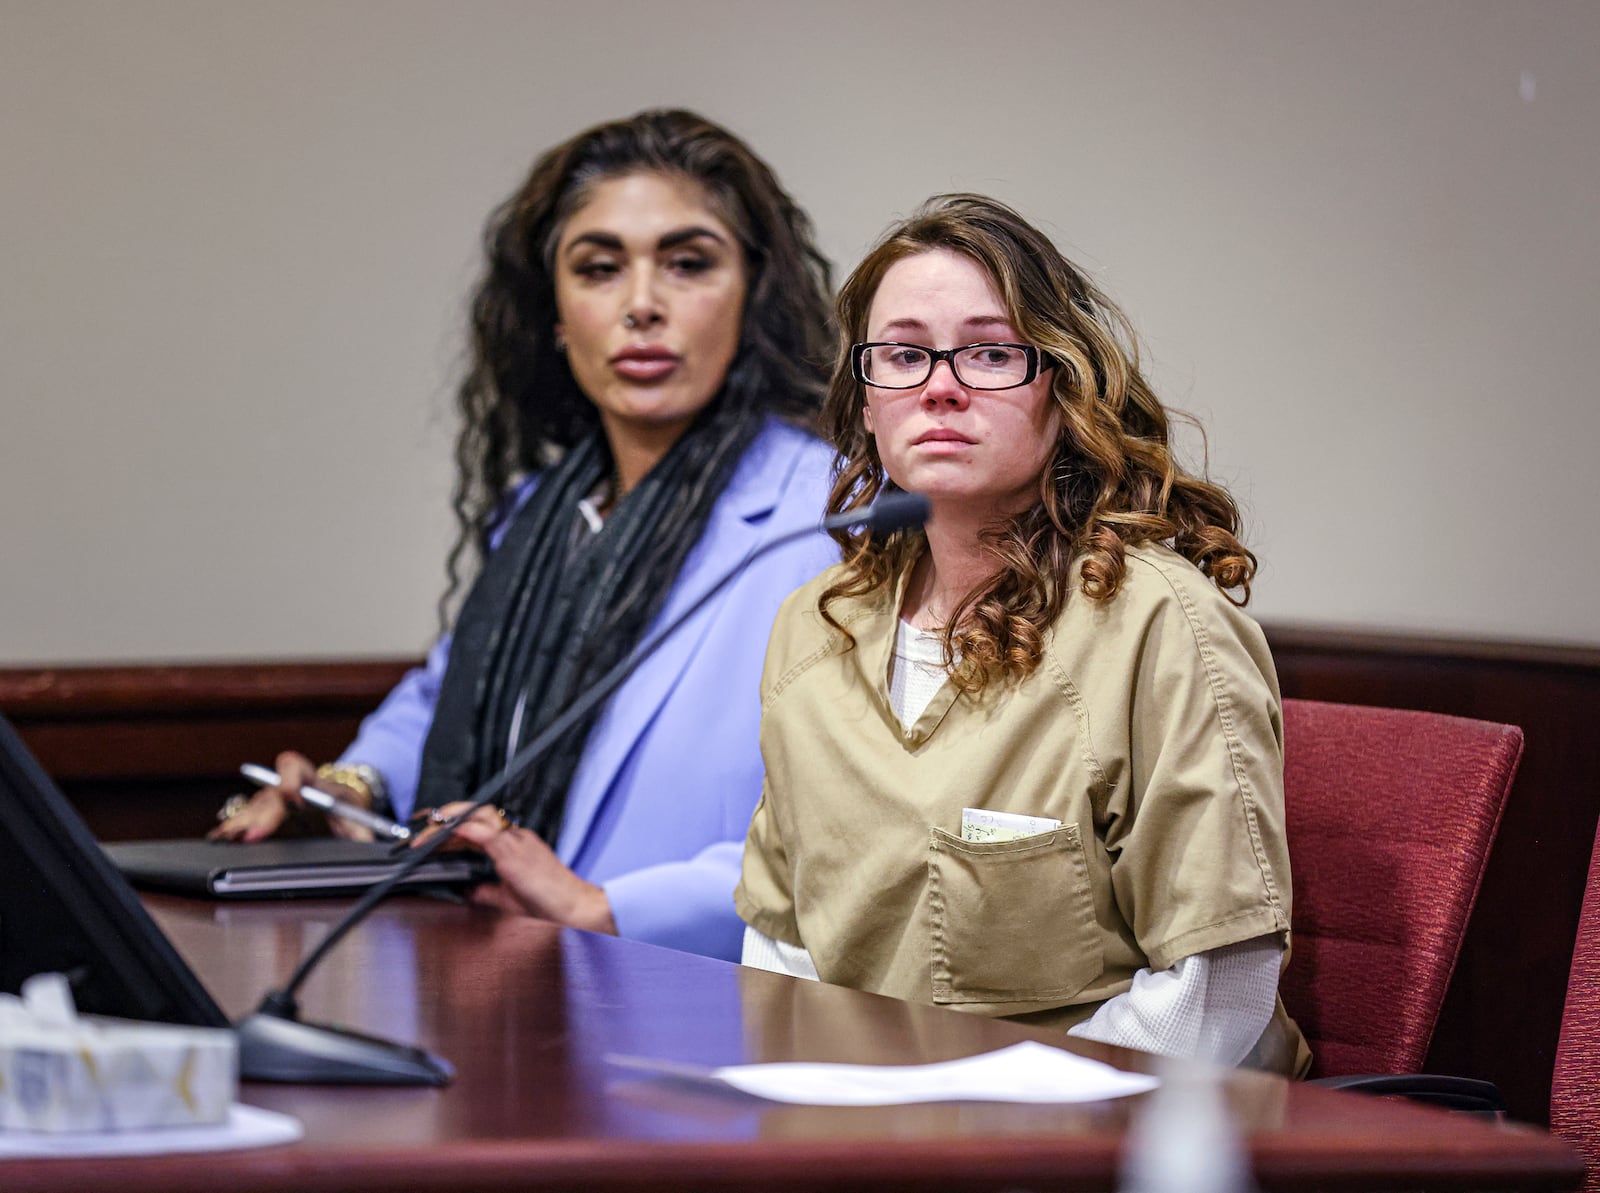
(247,1126)
(1026,1072)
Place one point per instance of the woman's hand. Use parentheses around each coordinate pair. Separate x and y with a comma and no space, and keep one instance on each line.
(533,881)
(270,808)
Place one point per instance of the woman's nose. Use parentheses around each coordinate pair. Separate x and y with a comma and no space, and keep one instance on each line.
(642,305)
(942,388)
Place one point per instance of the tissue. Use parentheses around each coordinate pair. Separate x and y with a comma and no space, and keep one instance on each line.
(63,1072)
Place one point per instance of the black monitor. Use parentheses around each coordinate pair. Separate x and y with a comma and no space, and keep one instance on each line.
(64,908)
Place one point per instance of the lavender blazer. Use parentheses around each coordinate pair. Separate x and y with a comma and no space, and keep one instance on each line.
(661,801)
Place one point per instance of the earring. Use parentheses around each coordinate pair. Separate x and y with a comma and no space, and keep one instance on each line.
(560,342)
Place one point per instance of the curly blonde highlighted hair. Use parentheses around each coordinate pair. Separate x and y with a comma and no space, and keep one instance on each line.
(1112,481)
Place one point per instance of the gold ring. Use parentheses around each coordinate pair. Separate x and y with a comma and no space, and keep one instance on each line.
(233,805)
(505,818)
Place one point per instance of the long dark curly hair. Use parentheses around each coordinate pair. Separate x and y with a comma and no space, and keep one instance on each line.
(1112,481)
(520,405)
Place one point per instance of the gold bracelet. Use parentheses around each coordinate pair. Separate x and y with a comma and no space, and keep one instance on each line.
(363,780)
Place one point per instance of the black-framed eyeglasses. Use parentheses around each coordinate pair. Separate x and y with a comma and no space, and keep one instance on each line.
(976,366)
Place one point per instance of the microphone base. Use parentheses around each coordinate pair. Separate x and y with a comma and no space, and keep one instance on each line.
(272,1048)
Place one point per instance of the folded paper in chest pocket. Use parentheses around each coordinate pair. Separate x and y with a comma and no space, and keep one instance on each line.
(980,824)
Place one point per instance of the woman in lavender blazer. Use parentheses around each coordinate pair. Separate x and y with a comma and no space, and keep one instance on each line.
(650,342)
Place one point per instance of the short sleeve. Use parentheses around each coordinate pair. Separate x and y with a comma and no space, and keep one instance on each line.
(765,895)
(1199,854)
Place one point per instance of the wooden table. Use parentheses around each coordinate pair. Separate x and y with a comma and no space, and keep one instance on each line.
(527,1013)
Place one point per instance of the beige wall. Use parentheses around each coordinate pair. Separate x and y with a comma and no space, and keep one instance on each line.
(1360,238)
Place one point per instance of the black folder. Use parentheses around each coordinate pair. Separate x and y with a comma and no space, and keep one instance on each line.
(276,869)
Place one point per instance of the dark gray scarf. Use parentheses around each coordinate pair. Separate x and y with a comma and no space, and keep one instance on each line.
(555,607)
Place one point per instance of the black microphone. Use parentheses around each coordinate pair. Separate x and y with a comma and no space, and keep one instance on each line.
(894,509)
(274,1045)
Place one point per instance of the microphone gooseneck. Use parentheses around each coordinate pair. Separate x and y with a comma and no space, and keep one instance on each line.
(264,1046)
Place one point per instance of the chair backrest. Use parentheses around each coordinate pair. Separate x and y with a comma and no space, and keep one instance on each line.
(1575,1088)
(1390,817)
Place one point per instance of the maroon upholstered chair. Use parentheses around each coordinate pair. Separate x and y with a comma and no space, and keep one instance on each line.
(1390,817)
(1575,1090)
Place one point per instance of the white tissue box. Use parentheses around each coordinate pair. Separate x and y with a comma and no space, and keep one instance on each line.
(60,1072)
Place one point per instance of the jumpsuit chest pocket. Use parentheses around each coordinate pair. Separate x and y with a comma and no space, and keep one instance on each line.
(1011,921)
